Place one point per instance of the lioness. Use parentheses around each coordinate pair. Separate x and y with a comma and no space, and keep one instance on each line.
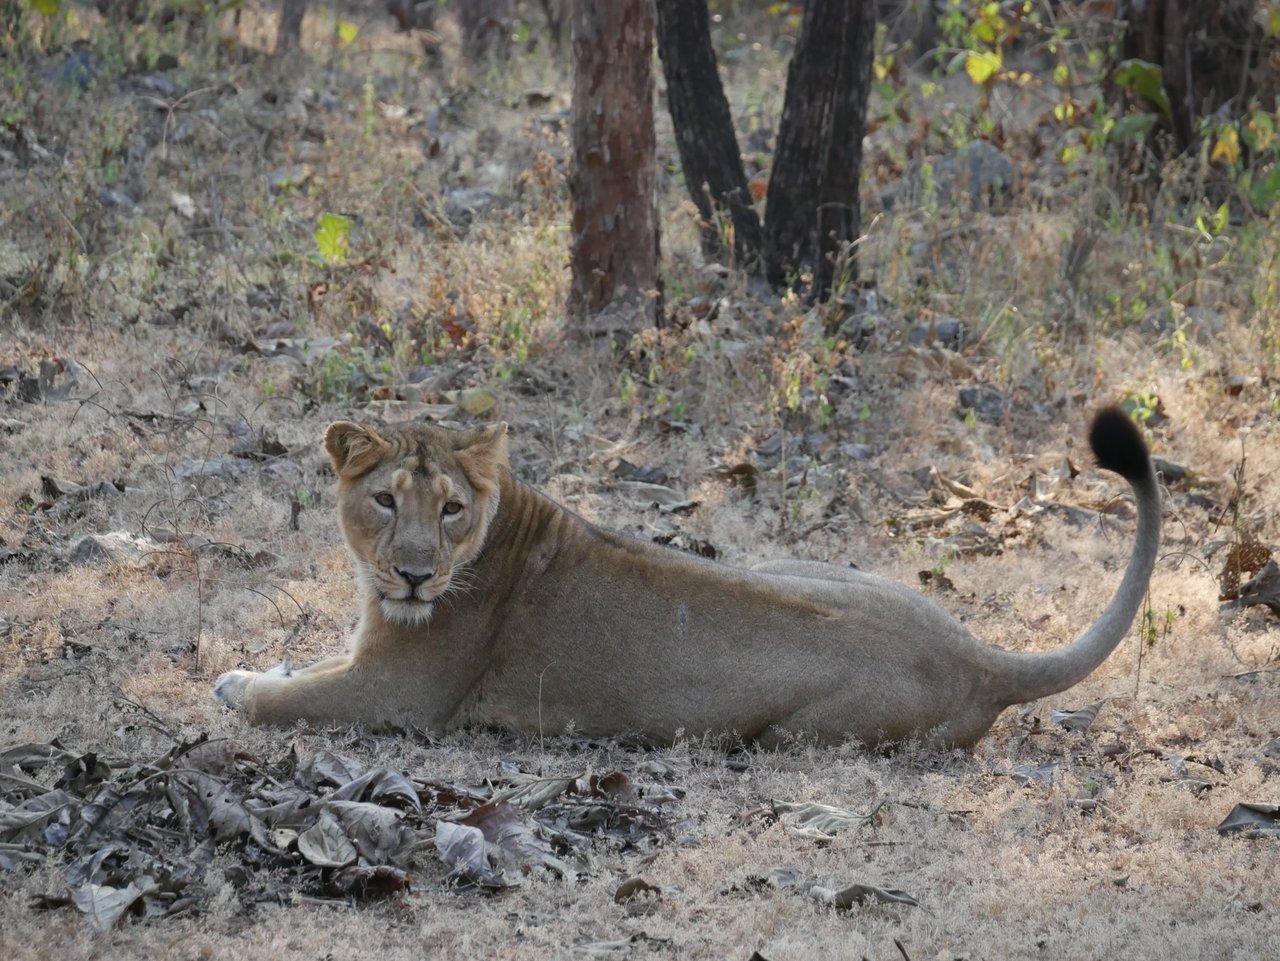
(487,603)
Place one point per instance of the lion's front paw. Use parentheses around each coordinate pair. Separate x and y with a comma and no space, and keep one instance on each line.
(229,689)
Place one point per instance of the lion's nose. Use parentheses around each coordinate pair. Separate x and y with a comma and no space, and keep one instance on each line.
(413,578)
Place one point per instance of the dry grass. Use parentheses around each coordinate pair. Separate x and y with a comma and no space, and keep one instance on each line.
(1114,856)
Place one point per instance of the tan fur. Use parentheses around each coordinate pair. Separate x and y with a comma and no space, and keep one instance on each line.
(527,617)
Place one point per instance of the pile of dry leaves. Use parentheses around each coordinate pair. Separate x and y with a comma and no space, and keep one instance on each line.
(142,838)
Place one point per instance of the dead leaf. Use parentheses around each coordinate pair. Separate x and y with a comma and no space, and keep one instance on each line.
(367,883)
(476,401)
(633,888)
(693,545)
(535,794)
(627,471)
(666,499)
(821,822)
(376,831)
(1252,821)
(1025,774)
(325,844)
(1263,589)
(1077,720)
(517,842)
(463,850)
(212,807)
(1244,557)
(32,757)
(328,769)
(381,785)
(26,820)
(746,476)
(103,905)
(855,894)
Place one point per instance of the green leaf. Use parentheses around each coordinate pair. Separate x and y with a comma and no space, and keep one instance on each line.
(48,8)
(1146,79)
(332,237)
(1135,126)
(1220,218)
(1266,190)
(981,66)
(347,32)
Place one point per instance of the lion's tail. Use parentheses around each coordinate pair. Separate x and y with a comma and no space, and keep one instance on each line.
(1118,446)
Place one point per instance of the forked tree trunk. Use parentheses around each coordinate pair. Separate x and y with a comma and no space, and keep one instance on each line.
(812,213)
(704,131)
(615,285)
(289,33)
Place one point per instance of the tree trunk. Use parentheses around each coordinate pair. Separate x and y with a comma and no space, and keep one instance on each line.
(812,213)
(704,131)
(486,27)
(289,33)
(1212,52)
(615,285)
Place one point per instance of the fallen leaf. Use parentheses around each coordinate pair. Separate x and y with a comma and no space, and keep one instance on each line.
(328,769)
(375,831)
(24,821)
(746,476)
(634,888)
(627,471)
(103,905)
(846,898)
(383,786)
(518,842)
(366,883)
(325,843)
(1252,821)
(1263,589)
(1025,774)
(1244,557)
(476,401)
(1077,720)
(666,499)
(462,849)
(821,822)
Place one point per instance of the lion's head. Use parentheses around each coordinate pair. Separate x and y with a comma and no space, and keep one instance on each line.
(415,504)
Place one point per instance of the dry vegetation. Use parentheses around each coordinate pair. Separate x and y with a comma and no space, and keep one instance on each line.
(173,340)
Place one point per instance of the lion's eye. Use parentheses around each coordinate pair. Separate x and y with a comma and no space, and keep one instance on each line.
(385,499)
(451,508)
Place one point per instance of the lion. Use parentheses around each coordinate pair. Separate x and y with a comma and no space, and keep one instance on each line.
(486,603)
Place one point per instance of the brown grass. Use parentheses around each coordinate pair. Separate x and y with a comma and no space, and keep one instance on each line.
(1114,857)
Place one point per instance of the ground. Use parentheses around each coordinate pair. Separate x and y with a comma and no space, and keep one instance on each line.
(206,255)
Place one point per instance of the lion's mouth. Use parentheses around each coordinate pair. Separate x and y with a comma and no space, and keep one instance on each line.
(406,610)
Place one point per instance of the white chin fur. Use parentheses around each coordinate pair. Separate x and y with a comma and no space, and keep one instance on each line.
(409,613)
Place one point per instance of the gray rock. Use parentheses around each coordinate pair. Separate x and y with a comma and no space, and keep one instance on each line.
(948,332)
(462,206)
(978,176)
(986,403)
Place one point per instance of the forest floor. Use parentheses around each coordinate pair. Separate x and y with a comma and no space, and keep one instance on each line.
(206,255)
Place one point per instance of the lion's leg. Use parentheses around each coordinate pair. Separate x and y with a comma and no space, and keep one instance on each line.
(333,690)
(817,570)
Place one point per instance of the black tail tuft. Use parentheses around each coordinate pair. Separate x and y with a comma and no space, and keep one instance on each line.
(1118,445)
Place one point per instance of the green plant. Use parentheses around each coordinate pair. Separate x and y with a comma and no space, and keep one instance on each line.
(332,238)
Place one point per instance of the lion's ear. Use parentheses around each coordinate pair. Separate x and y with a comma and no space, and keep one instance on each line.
(483,451)
(353,448)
